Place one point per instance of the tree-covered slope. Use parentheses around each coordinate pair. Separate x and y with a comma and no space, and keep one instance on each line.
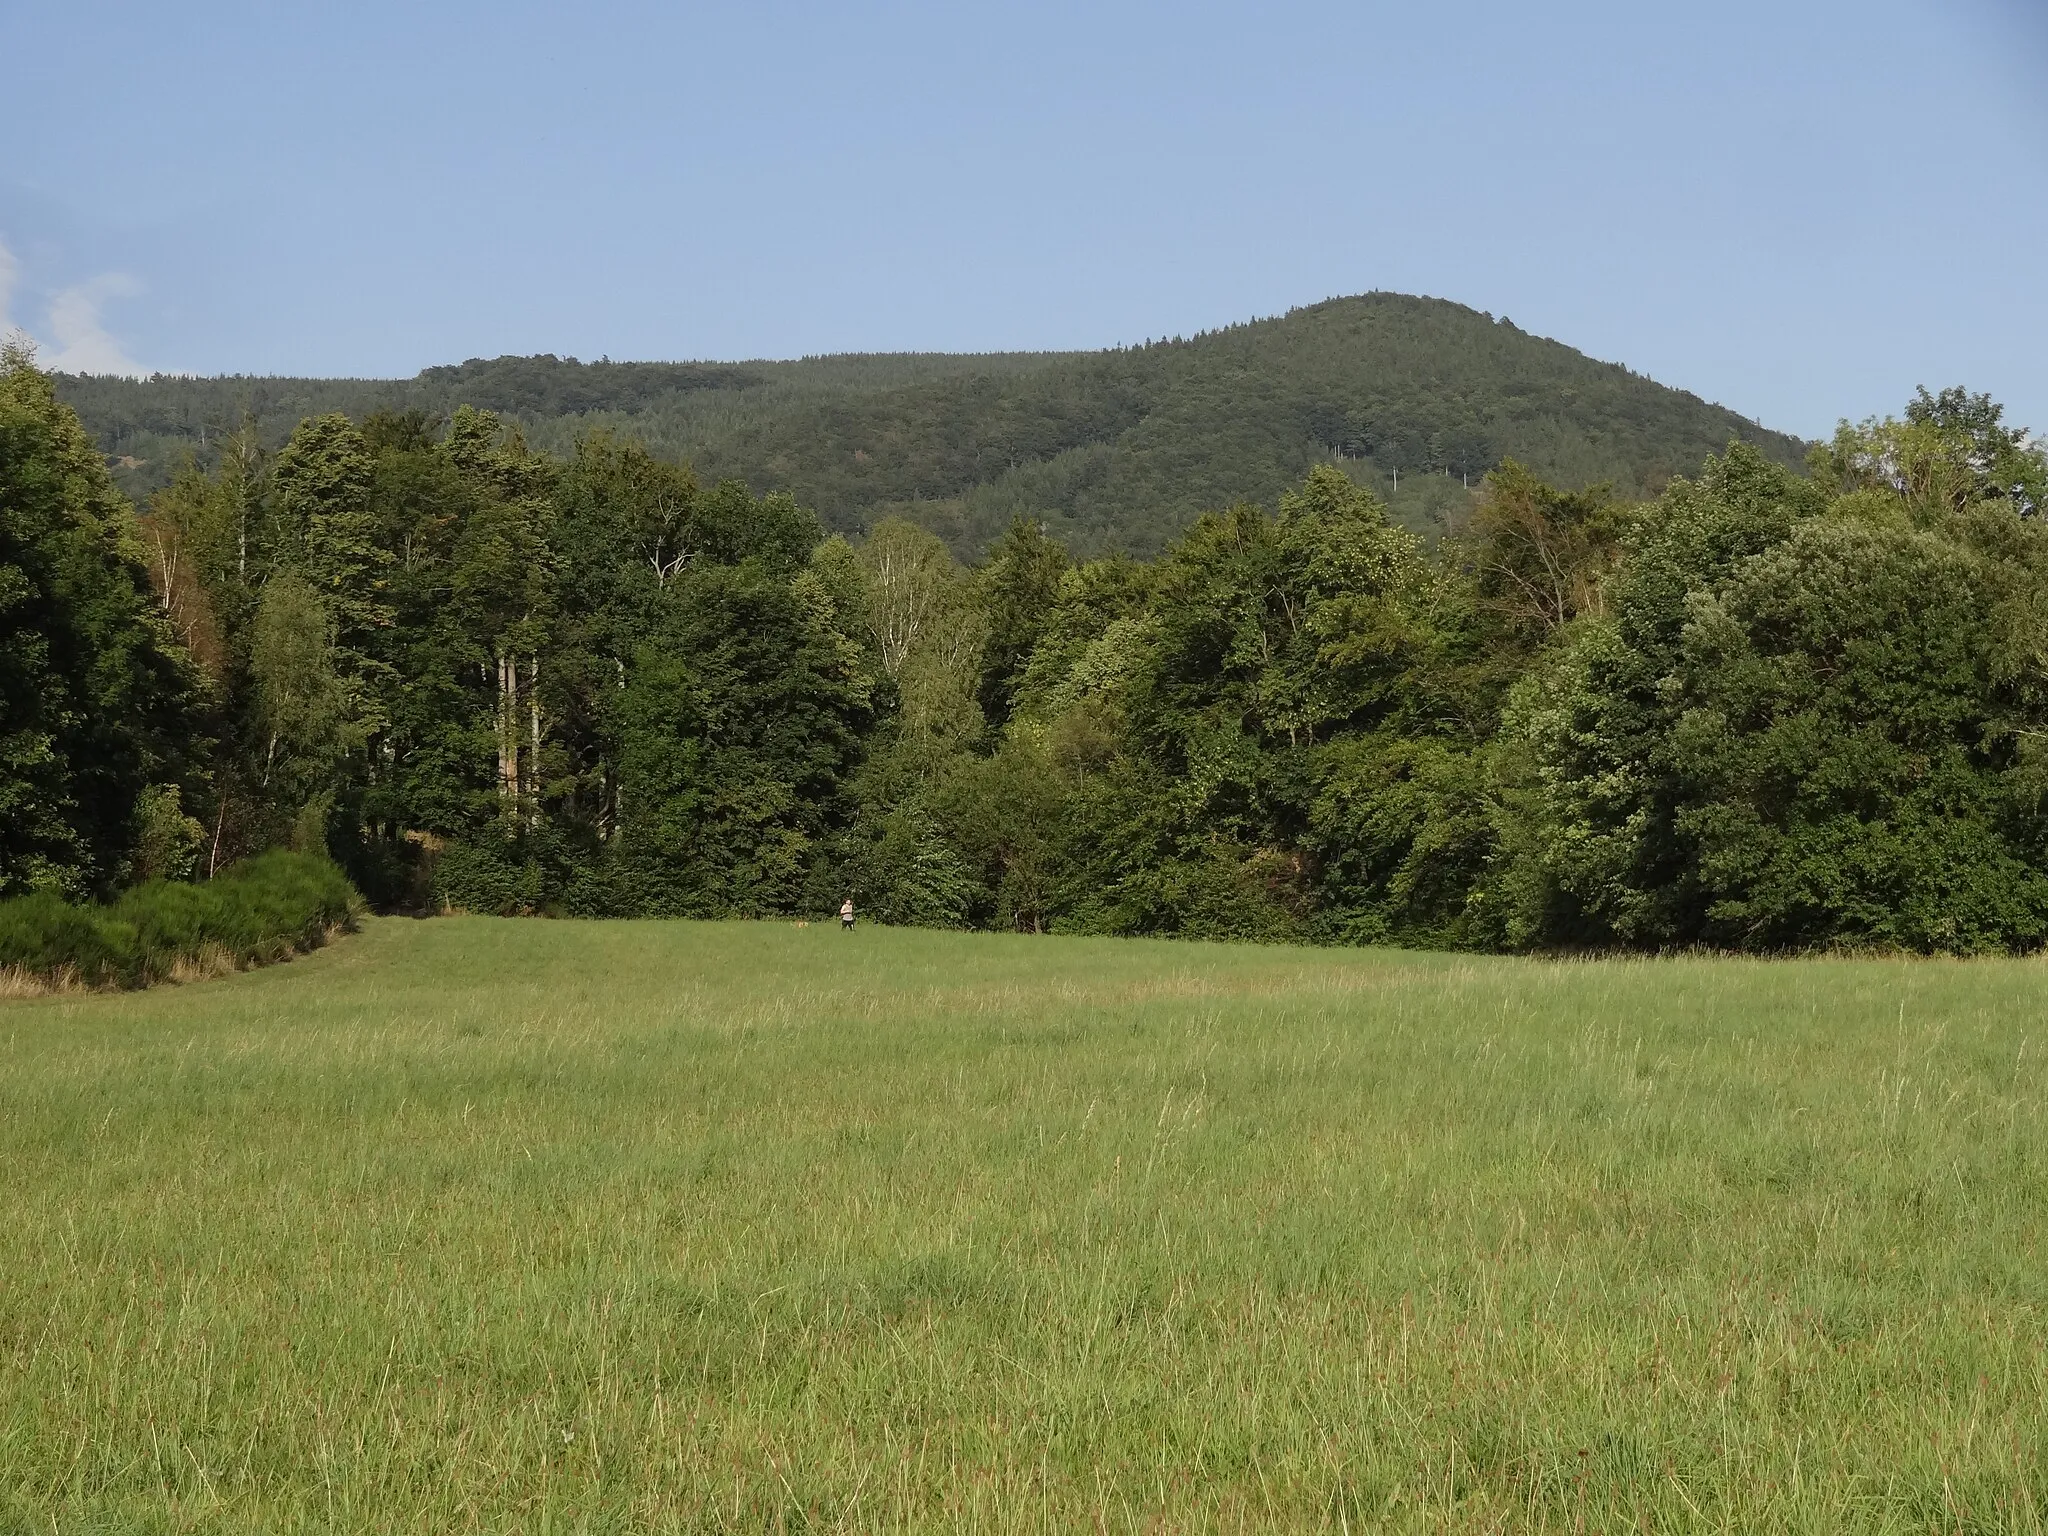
(1119,448)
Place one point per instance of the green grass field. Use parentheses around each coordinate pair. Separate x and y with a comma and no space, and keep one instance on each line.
(499,1225)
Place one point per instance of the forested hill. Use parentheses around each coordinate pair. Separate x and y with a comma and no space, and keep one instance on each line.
(1119,448)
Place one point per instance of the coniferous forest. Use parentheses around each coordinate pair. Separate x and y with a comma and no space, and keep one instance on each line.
(1758,706)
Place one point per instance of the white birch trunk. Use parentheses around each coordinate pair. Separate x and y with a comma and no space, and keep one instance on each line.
(508,733)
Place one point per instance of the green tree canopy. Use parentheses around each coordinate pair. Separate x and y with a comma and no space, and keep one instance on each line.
(96,696)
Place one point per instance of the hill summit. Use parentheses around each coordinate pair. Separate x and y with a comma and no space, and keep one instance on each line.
(1120,448)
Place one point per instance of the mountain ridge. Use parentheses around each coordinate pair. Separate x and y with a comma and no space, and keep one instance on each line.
(1119,447)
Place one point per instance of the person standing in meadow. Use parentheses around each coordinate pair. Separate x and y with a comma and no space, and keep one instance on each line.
(846,915)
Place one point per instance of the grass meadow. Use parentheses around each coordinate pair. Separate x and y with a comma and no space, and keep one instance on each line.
(481,1225)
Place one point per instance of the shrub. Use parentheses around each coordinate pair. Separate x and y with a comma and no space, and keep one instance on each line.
(260,910)
(502,876)
(47,937)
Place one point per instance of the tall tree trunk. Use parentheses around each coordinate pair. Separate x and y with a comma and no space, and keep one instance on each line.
(219,825)
(533,755)
(508,733)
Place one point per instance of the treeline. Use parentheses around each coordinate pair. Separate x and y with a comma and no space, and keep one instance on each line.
(1766,710)
(1117,449)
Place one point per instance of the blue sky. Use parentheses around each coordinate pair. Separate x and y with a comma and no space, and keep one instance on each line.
(1801,210)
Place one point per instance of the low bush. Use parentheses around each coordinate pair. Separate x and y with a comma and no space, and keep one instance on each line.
(262,909)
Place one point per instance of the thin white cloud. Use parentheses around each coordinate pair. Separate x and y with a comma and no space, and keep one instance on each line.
(79,339)
(83,342)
